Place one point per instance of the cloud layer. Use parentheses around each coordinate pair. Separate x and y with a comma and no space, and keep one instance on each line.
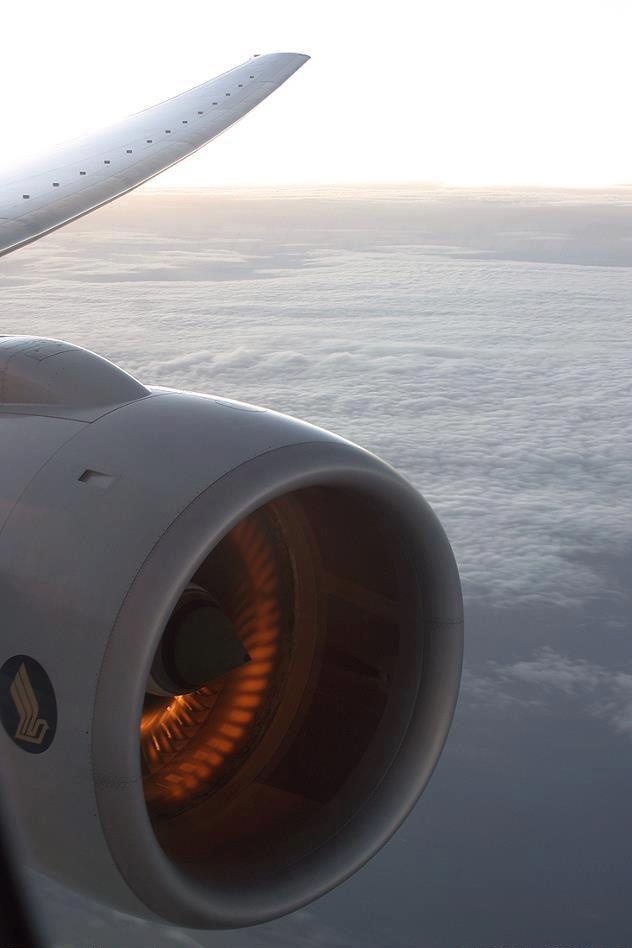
(538,683)
(500,388)
(480,343)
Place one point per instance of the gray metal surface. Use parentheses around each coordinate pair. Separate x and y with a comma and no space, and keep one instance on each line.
(104,524)
(47,372)
(112,496)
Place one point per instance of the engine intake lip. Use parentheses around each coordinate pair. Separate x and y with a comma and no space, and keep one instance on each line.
(155,880)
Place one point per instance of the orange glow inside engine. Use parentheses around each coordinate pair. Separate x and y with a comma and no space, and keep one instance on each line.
(190,743)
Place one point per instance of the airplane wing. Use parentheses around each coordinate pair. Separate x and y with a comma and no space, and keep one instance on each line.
(82,175)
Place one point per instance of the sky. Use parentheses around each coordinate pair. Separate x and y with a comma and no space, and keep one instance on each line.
(480,342)
(494,93)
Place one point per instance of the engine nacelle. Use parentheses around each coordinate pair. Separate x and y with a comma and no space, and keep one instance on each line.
(231,642)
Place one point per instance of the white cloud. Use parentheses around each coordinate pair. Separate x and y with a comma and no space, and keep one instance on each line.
(501,389)
(548,677)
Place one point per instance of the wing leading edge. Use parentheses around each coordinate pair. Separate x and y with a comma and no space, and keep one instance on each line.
(83,175)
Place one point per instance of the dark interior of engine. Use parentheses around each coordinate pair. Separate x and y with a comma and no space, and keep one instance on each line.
(269,759)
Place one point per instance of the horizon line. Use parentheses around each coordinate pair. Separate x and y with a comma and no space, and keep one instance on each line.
(376,185)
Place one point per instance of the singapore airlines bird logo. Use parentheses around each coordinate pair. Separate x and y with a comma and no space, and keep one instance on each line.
(31,728)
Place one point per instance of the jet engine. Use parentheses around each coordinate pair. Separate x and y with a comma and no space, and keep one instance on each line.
(231,642)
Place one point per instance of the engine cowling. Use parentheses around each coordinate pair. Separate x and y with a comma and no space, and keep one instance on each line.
(231,642)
